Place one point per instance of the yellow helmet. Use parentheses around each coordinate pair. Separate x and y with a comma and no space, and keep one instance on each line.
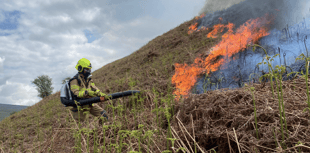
(83,63)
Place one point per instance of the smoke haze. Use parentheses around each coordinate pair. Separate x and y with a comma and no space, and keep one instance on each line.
(288,38)
(287,12)
(218,5)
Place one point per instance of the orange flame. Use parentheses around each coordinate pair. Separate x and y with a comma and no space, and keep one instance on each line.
(201,16)
(193,27)
(233,43)
(185,76)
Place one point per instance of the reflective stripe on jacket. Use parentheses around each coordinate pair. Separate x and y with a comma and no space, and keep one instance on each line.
(79,89)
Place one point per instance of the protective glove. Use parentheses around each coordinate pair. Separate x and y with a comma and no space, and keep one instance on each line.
(92,93)
(100,94)
(104,114)
(96,91)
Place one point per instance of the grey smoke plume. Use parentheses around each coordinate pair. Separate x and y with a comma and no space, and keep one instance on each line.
(288,38)
(288,12)
(217,5)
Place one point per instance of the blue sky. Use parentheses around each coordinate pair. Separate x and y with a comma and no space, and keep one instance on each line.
(40,37)
(9,20)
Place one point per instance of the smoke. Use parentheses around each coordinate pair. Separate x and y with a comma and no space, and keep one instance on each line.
(217,5)
(288,38)
(286,12)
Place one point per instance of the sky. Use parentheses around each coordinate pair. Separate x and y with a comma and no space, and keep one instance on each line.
(48,37)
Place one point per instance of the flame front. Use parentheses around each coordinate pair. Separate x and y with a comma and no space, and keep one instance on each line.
(193,27)
(185,76)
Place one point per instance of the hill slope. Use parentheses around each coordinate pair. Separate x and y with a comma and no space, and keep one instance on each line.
(46,125)
(142,123)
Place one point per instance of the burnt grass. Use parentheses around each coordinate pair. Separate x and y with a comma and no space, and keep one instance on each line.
(209,118)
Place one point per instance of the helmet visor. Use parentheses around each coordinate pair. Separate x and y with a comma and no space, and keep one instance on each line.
(87,70)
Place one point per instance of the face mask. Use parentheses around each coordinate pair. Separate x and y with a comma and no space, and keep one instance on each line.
(87,72)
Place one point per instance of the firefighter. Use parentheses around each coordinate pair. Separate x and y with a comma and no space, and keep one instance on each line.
(83,87)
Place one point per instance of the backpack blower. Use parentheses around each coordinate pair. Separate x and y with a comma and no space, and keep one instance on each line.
(67,97)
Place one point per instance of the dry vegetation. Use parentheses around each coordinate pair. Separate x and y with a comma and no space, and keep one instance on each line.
(215,114)
(221,121)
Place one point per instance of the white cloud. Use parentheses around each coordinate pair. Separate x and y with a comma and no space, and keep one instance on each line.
(1,64)
(110,36)
(89,14)
(18,94)
(50,39)
(4,79)
(2,60)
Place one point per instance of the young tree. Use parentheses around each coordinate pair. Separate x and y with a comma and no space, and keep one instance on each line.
(44,85)
(66,79)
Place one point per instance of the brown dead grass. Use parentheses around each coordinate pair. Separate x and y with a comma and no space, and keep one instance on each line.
(214,114)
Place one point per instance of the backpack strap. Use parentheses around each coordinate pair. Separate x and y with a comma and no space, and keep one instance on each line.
(75,77)
(79,82)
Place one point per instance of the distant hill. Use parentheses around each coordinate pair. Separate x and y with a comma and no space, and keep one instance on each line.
(6,110)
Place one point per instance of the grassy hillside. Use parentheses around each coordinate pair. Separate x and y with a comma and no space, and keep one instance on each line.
(220,121)
(48,125)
